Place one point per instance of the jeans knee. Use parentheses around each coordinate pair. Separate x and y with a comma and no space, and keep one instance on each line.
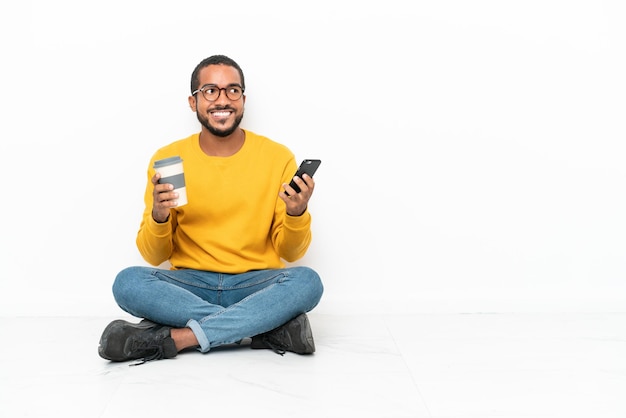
(124,283)
(314,285)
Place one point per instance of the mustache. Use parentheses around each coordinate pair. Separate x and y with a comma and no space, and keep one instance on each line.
(222,108)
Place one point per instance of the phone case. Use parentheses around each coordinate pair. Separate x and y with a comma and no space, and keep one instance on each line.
(308,166)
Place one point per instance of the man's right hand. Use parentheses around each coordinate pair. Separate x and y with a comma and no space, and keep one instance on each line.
(163,199)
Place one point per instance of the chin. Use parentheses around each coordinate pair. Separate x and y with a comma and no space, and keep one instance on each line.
(223,132)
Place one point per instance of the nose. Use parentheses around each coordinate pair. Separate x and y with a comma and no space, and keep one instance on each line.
(221,97)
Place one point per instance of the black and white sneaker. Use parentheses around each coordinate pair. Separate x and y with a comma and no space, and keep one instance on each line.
(295,336)
(123,341)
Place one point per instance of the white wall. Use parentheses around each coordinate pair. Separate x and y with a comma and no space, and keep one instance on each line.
(473,151)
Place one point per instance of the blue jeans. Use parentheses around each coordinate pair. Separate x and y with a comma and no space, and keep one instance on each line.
(219,308)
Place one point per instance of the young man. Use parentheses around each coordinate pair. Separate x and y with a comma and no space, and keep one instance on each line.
(226,246)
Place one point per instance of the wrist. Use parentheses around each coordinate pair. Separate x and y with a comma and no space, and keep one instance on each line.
(295,216)
(157,220)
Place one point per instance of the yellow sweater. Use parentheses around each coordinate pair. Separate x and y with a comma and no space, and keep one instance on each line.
(234,220)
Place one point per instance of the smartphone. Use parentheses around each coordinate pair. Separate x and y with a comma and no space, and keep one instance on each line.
(307,167)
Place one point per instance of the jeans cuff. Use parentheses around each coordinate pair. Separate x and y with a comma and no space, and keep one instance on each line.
(205,346)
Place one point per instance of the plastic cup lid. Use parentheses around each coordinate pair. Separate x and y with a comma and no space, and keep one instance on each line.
(167,161)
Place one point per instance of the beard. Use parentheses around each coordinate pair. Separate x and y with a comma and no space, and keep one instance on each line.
(221,132)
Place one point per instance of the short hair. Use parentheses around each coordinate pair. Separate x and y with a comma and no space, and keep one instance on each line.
(215,60)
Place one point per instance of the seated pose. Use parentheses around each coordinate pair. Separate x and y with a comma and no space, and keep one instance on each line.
(227,245)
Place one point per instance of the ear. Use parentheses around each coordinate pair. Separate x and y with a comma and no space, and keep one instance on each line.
(192,103)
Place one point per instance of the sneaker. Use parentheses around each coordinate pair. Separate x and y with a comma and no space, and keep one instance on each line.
(294,336)
(123,341)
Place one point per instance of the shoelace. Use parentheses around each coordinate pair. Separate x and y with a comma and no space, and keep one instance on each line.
(149,345)
(276,346)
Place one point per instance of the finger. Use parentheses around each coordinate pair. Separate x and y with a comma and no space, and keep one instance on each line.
(301,184)
(309,181)
(288,190)
(163,188)
(166,197)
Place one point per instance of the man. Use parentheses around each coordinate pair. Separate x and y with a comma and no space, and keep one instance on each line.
(226,246)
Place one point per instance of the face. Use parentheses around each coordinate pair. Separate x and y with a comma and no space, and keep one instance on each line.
(222,116)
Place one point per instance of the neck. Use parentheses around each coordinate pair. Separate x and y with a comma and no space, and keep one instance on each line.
(217,146)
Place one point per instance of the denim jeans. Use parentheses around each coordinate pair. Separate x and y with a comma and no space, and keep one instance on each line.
(219,308)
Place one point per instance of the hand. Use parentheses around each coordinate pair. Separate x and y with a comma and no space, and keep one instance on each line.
(163,199)
(297,203)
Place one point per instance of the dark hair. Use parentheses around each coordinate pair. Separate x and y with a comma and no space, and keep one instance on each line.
(214,60)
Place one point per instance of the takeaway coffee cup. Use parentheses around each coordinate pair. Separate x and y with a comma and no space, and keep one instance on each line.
(171,170)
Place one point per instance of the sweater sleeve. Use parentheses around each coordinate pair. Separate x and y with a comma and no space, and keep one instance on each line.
(154,240)
(293,241)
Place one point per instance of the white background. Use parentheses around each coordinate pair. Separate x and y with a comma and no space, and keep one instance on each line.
(473,151)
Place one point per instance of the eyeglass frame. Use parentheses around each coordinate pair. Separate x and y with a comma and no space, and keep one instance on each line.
(219,89)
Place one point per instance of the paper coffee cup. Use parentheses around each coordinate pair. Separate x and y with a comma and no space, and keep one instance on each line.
(171,170)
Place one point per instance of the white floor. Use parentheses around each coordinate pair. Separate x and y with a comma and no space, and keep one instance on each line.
(390,366)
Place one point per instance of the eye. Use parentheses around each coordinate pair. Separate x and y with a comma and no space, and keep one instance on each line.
(210,90)
(234,90)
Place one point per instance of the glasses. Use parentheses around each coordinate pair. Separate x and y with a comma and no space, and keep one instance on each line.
(211,92)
